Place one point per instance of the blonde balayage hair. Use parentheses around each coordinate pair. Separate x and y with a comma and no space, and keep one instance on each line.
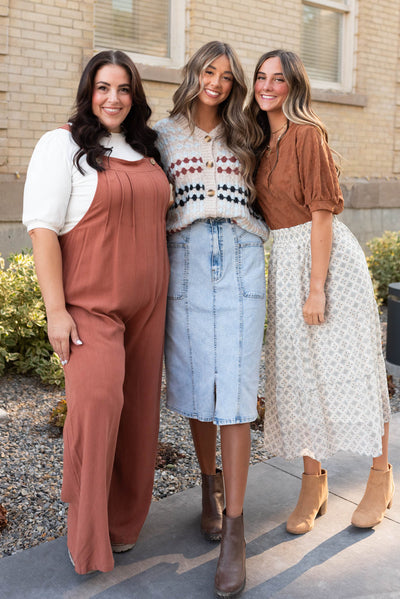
(297,105)
(239,131)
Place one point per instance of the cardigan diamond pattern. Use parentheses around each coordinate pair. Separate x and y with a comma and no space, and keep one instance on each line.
(206,177)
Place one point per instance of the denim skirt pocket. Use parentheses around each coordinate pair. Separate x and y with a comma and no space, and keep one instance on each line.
(251,265)
(178,252)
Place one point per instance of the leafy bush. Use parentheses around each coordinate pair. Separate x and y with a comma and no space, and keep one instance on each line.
(23,327)
(59,414)
(384,262)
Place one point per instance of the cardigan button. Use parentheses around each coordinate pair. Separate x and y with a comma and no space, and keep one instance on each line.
(210,193)
(207,138)
(209,164)
(152,161)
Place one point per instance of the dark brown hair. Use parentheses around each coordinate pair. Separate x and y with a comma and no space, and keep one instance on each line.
(87,130)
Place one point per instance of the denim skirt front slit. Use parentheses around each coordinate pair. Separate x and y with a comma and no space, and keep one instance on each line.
(215,322)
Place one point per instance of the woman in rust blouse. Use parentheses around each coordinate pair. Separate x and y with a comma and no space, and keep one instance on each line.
(326,387)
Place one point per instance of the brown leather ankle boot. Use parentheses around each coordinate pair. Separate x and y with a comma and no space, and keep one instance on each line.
(312,502)
(212,488)
(230,577)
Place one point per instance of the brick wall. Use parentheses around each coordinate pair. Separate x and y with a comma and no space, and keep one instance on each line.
(47,43)
(44,45)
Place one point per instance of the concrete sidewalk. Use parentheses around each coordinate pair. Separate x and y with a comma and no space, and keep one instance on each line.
(172,561)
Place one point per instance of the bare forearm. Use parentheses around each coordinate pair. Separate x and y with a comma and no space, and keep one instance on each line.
(48,264)
(321,246)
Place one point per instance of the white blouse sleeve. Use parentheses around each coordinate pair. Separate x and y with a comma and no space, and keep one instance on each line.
(48,182)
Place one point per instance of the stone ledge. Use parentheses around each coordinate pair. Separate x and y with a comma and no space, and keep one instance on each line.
(335,97)
(371,193)
(158,73)
(11,196)
(13,239)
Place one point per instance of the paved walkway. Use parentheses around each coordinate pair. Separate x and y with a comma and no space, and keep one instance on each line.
(172,561)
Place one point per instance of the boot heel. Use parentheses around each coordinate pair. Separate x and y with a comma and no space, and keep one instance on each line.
(323,509)
(391,499)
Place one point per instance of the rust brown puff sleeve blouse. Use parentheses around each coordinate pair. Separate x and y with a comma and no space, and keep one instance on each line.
(297,180)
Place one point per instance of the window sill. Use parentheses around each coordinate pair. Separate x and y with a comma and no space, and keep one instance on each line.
(158,73)
(336,97)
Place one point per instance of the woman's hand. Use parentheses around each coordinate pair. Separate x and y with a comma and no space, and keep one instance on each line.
(61,329)
(314,308)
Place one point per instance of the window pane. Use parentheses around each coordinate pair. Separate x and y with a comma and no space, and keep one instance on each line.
(133,26)
(321,43)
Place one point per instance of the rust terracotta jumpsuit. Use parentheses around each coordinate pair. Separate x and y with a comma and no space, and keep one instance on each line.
(115,271)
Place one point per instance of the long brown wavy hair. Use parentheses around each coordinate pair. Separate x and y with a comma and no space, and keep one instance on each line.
(239,130)
(87,130)
(297,105)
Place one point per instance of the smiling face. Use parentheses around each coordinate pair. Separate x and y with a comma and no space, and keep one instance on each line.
(271,89)
(112,96)
(216,82)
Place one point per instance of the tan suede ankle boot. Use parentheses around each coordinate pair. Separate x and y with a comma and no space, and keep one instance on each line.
(312,502)
(377,498)
(230,577)
(212,489)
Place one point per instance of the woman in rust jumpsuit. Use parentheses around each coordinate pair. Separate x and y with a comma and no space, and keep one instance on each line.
(95,205)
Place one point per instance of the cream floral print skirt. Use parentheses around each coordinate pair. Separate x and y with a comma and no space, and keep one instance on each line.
(326,385)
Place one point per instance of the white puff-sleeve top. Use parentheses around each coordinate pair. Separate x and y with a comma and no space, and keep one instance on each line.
(56,194)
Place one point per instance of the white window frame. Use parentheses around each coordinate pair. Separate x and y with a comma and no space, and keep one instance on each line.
(348,10)
(177,33)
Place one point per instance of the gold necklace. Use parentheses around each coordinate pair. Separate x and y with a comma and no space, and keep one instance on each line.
(268,149)
(280,129)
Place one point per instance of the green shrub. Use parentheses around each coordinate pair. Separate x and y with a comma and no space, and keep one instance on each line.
(384,262)
(24,345)
(59,414)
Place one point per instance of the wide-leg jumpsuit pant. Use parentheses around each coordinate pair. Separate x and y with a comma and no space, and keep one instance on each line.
(115,272)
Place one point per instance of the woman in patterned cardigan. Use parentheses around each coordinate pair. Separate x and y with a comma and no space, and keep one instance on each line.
(216,298)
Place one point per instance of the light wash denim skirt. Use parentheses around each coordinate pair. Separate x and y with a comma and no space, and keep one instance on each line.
(215,322)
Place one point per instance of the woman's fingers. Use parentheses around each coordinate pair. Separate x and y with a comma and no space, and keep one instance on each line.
(314,309)
(313,319)
(74,335)
(61,330)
